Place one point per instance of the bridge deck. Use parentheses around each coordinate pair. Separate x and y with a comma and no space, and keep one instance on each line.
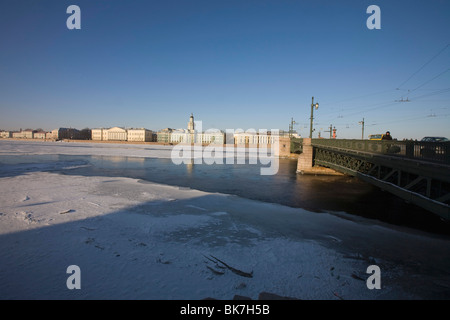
(416,172)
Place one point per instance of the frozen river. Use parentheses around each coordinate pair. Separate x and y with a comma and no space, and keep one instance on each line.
(127,214)
(332,194)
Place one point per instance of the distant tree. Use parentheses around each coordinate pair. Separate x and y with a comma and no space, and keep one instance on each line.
(85,134)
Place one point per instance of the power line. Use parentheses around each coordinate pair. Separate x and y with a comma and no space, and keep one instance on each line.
(433,93)
(353,98)
(374,106)
(410,119)
(434,57)
(440,74)
(362,96)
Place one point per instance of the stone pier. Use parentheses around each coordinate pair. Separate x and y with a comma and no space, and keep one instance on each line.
(284,149)
(305,164)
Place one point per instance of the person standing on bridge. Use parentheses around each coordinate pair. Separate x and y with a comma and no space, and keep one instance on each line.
(387,136)
(388,148)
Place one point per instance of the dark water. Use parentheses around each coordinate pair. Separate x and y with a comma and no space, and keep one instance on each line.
(314,193)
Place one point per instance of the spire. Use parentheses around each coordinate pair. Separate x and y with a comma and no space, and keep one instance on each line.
(191,125)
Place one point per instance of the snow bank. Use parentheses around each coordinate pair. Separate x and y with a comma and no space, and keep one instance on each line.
(136,240)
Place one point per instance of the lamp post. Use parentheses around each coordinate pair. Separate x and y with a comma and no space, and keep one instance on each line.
(312,117)
(362,123)
(291,128)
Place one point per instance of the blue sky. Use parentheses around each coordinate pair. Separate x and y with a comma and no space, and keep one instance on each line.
(233,63)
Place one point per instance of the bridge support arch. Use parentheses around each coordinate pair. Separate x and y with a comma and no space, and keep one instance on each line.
(389,166)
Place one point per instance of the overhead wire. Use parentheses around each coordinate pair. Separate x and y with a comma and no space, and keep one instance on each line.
(433,93)
(385,104)
(423,66)
(440,74)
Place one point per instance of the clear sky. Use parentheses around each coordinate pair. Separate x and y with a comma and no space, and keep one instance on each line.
(233,63)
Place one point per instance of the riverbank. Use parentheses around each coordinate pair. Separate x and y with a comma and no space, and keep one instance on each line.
(247,146)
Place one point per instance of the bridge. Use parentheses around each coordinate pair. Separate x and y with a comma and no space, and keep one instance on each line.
(418,172)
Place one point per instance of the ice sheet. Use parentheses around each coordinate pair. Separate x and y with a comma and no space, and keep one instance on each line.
(135,240)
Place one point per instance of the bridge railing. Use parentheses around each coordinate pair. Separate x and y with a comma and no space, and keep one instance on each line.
(296,145)
(438,152)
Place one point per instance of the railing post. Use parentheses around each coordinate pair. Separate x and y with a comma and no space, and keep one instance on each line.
(409,149)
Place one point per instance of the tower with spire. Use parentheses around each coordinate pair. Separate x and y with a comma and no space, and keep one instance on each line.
(191,125)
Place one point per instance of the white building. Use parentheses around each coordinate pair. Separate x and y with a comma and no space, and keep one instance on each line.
(190,135)
(40,135)
(181,136)
(24,134)
(121,134)
(252,137)
(117,134)
(212,136)
(97,134)
(5,134)
(142,135)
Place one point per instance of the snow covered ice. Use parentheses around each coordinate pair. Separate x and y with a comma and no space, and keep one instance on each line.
(141,240)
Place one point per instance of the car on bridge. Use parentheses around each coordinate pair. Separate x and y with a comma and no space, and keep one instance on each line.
(434,147)
(434,139)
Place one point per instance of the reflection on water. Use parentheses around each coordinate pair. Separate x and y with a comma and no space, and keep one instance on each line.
(119,160)
(315,193)
(190,167)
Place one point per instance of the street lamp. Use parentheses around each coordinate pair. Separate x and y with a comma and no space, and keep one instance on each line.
(362,123)
(312,111)
(291,128)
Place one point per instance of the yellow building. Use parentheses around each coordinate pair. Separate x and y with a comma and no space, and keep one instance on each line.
(142,135)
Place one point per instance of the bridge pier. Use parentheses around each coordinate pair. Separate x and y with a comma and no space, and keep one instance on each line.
(305,163)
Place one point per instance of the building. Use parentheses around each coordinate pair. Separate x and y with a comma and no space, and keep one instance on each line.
(97,134)
(18,135)
(213,136)
(117,134)
(111,134)
(5,134)
(181,136)
(190,135)
(251,137)
(65,133)
(122,134)
(40,135)
(191,124)
(142,135)
(163,136)
(29,133)
(24,134)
